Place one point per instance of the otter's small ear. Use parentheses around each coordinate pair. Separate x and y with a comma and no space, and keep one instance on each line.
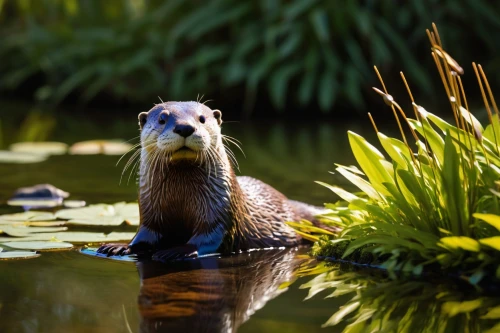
(143,118)
(218,116)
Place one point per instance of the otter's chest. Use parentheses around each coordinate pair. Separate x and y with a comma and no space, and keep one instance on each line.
(190,202)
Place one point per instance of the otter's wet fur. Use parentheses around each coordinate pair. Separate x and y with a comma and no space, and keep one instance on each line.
(191,202)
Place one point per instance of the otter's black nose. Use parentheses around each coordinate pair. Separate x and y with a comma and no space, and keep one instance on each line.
(184,130)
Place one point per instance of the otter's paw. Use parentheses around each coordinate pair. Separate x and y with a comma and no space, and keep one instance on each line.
(176,253)
(114,249)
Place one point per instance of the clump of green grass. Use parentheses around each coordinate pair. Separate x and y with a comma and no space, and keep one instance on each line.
(433,202)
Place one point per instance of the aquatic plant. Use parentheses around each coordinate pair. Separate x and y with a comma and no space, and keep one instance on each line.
(42,230)
(138,50)
(434,202)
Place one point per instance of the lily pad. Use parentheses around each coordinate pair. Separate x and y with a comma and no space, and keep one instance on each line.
(43,148)
(23,231)
(101,214)
(106,147)
(45,203)
(74,203)
(18,255)
(7,156)
(34,223)
(81,237)
(28,216)
(39,245)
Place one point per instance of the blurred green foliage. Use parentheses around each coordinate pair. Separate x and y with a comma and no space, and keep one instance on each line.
(306,52)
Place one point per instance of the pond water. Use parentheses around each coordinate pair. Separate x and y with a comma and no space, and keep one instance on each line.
(69,291)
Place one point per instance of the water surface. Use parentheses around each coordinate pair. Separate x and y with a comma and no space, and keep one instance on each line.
(258,292)
(69,291)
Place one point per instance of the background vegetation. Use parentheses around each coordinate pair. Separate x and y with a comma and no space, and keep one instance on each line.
(297,54)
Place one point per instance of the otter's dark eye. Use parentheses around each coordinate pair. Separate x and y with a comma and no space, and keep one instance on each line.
(202,119)
(163,119)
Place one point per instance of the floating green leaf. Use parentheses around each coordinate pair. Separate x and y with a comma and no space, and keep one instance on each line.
(102,214)
(7,156)
(74,203)
(18,255)
(79,237)
(106,147)
(30,216)
(23,230)
(38,203)
(39,245)
(44,148)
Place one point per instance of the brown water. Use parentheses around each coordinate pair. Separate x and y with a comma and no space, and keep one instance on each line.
(70,291)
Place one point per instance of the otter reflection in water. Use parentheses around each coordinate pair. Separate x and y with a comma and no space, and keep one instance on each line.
(211,294)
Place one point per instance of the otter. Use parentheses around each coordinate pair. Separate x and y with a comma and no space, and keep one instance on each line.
(190,200)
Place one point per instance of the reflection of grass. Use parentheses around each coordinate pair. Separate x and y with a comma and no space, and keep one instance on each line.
(432,204)
(380,304)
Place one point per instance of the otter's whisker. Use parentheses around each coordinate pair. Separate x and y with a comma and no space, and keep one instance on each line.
(132,148)
(130,161)
(135,137)
(208,161)
(234,142)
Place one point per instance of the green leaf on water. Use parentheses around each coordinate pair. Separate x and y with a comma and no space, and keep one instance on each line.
(79,237)
(28,216)
(23,231)
(43,148)
(105,147)
(34,223)
(102,214)
(74,203)
(18,255)
(45,203)
(7,156)
(39,245)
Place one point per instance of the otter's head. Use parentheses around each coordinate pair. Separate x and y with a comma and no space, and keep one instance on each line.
(180,131)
